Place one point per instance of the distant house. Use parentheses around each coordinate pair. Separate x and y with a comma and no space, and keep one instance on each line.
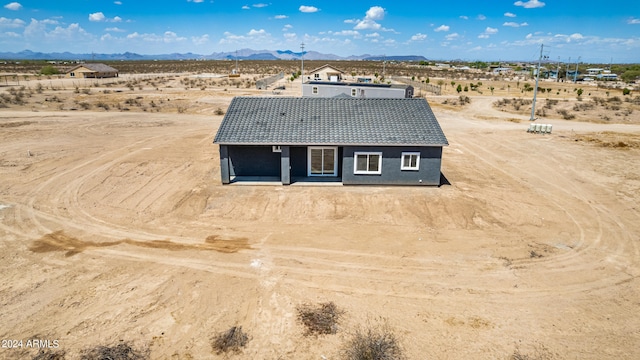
(347,140)
(360,90)
(92,70)
(326,73)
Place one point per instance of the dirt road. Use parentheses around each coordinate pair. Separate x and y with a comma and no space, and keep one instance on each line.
(114,226)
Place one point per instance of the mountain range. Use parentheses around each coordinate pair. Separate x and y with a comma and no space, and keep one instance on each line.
(243,54)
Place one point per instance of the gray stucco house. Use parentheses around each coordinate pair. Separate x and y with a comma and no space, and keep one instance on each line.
(360,90)
(348,140)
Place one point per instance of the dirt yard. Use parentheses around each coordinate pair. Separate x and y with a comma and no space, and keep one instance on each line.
(114,228)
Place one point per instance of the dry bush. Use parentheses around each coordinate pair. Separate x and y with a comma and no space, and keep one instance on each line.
(377,343)
(231,340)
(320,319)
(50,355)
(540,352)
(219,111)
(565,114)
(122,351)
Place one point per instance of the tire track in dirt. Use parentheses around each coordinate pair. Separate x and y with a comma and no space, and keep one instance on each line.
(590,245)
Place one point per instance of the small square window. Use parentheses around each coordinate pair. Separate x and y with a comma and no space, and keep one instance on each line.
(367,163)
(314,89)
(354,92)
(410,161)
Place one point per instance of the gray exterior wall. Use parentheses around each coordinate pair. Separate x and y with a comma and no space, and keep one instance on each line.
(253,161)
(428,173)
(247,160)
(371,92)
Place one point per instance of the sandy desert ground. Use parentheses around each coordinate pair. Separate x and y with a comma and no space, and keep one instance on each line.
(114,228)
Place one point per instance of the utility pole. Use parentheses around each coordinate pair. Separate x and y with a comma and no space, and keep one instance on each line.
(575,74)
(302,72)
(558,71)
(535,90)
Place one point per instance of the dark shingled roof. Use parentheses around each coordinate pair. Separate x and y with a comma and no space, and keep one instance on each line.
(329,121)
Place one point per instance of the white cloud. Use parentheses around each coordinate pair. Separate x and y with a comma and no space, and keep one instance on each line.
(254,32)
(246,7)
(452,36)
(308,9)
(373,35)
(15,6)
(633,21)
(195,1)
(367,24)
(281,17)
(508,14)
(419,37)
(490,30)
(167,38)
(290,36)
(114,29)
(441,28)
(482,17)
(287,27)
(514,24)
(200,40)
(345,33)
(260,5)
(118,2)
(463,17)
(375,13)
(11,23)
(531,4)
(98,16)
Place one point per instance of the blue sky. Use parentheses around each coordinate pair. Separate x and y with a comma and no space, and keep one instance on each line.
(597,31)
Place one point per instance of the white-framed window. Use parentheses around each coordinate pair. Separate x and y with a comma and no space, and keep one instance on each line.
(316,76)
(314,89)
(410,161)
(276,148)
(367,162)
(354,92)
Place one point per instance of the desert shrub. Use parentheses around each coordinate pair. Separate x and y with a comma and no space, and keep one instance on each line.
(85,105)
(231,340)
(540,352)
(50,355)
(103,105)
(122,351)
(378,343)
(219,111)
(321,319)
(49,70)
(565,114)
(614,99)
(464,99)
(549,103)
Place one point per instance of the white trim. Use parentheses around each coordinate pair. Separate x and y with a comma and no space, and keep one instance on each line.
(276,148)
(335,160)
(410,153)
(367,153)
(354,92)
